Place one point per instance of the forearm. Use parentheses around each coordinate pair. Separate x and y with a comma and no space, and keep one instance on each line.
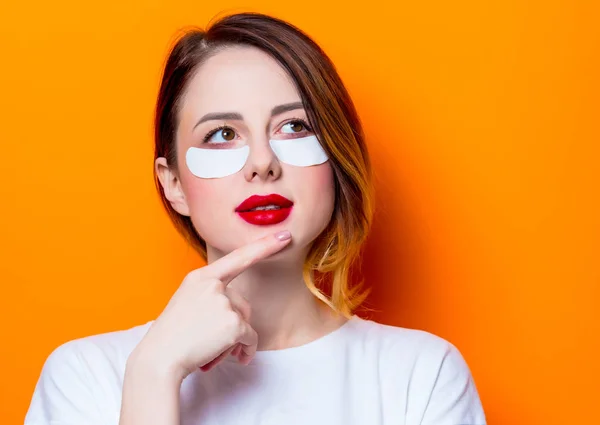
(150,394)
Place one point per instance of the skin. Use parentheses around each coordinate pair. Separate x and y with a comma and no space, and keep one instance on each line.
(228,306)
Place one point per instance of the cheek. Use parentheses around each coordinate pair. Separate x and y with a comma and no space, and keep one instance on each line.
(207,199)
(317,189)
(324,185)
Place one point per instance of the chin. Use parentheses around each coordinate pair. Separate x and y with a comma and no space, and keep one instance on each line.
(295,251)
(230,236)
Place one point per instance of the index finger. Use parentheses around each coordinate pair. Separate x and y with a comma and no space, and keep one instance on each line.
(228,267)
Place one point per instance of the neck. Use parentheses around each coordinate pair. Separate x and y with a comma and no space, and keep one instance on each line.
(284,311)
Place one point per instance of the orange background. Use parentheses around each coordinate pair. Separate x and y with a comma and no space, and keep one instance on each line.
(482,120)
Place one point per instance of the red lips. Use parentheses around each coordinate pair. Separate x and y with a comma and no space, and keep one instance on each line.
(265,217)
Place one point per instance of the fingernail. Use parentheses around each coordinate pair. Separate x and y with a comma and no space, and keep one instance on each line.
(283,236)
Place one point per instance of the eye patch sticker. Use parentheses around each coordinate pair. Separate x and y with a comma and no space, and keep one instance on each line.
(302,152)
(216,163)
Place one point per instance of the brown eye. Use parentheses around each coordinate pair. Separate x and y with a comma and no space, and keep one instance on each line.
(227,134)
(220,135)
(294,127)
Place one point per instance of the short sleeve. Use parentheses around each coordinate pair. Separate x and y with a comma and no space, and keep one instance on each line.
(454,399)
(64,393)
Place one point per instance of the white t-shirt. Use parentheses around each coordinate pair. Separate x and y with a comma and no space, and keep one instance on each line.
(363,373)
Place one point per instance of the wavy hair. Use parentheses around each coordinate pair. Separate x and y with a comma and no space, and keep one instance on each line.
(330,264)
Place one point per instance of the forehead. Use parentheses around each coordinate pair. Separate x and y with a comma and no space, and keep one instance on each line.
(239,79)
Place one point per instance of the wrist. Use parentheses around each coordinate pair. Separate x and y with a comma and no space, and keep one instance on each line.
(143,361)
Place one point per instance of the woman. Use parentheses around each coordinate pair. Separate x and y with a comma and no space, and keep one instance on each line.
(261,164)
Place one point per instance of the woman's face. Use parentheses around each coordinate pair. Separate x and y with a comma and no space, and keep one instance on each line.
(261,104)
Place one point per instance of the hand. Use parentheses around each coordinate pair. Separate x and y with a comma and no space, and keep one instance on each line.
(205,321)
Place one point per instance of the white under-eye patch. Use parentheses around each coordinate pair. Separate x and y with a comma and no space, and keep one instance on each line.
(302,152)
(215,163)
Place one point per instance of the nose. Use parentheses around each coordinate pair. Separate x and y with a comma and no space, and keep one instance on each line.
(262,164)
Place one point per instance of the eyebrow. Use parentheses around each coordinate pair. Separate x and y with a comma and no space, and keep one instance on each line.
(279,109)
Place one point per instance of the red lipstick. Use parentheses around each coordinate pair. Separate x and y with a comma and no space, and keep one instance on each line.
(265,210)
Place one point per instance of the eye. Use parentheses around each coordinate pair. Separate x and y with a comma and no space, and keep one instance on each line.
(222,134)
(295,126)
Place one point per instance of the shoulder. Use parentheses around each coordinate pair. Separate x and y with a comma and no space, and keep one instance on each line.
(99,350)
(83,374)
(417,352)
(427,369)
(397,341)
